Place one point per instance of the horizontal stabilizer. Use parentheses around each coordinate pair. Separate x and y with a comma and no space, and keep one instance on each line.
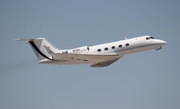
(23,40)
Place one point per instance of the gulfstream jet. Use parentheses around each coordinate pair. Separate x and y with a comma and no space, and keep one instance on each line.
(97,56)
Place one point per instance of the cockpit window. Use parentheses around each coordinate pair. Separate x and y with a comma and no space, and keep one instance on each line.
(147,38)
(151,37)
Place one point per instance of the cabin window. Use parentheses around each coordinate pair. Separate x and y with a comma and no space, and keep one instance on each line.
(88,48)
(120,46)
(127,44)
(113,47)
(106,48)
(66,52)
(99,50)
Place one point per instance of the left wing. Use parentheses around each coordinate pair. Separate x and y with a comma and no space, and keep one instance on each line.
(105,63)
(95,60)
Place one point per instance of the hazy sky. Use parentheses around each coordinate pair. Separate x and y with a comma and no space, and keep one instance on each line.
(146,80)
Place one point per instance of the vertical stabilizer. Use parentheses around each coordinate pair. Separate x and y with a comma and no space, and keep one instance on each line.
(39,46)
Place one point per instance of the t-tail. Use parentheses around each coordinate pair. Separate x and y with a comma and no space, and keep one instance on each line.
(42,48)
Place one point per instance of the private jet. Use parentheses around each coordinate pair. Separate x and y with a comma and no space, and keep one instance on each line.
(101,55)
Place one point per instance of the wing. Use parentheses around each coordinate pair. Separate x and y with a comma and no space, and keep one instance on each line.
(105,63)
(95,60)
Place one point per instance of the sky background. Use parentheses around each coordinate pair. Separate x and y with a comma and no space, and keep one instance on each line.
(146,80)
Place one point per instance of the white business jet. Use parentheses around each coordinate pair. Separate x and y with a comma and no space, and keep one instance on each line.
(98,55)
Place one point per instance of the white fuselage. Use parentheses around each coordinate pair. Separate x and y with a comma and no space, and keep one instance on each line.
(98,55)
(121,47)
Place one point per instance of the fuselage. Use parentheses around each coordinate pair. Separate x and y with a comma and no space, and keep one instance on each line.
(100,55)
(121,47)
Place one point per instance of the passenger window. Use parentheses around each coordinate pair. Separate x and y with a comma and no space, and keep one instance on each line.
(99,50)
(106,48)
(88,48)
(120,46)
(113,47)
(127,44)
(66,52)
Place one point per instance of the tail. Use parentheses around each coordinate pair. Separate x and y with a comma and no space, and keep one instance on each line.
(41,47)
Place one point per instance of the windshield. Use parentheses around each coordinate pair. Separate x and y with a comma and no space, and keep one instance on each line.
(151,37)
(148,38)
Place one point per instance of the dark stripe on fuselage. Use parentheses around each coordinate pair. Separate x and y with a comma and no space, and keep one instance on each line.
(36,48)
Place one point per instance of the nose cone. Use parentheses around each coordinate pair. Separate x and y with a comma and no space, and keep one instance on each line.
(161,42)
